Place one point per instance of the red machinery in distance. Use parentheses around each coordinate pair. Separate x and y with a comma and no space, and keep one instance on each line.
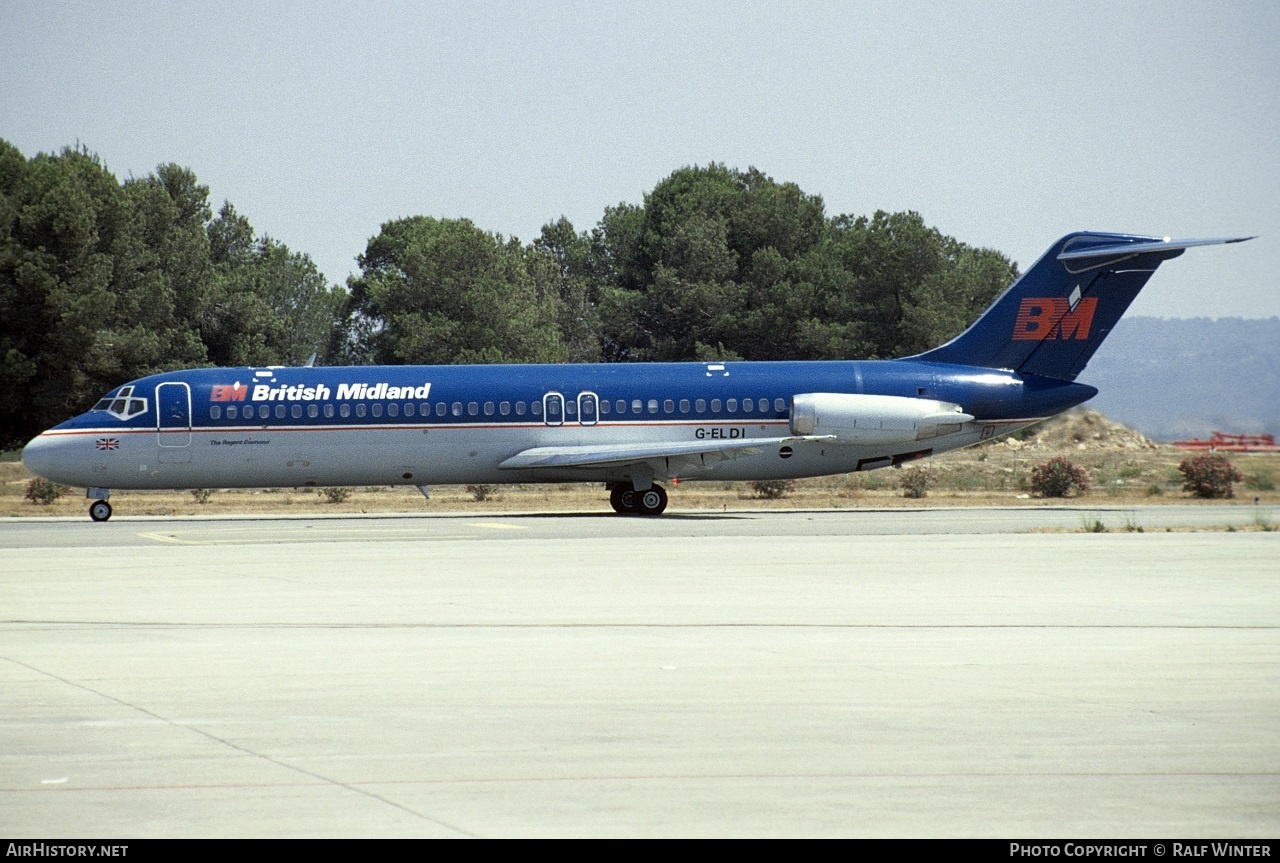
(1223,442)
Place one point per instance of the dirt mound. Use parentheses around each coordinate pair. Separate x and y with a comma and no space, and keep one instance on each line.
(1082,429)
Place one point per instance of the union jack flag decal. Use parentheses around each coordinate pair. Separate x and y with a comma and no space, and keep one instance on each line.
(108,443)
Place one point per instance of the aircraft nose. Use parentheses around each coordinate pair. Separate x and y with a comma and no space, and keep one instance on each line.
(37,456)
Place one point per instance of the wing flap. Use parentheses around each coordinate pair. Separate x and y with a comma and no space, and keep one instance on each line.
(603,455)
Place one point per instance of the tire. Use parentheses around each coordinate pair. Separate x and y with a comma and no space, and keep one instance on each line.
(99,510)
(623,499)
(652,501)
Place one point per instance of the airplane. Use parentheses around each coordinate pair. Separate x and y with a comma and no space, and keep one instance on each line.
(626,425)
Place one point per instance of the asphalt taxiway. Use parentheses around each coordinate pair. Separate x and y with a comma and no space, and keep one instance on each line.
(730,674)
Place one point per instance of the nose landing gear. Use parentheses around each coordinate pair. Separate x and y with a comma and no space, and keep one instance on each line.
(99,509)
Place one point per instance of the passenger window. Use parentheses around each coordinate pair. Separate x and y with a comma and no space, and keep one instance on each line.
(571,409)
(328,411)
(215,412)
(231,412)
(553,407)
(441,409)
(424,409)
(504,408)
(409,409)
(536,409)
(360,409)
(519,409)
(604,406)
(668,406)
(636,406)
(313,411)
(488,409)
(621,406)
(456,409)
(715,406)
(296,412)
(764,406)
(653,406)
(700,405)
(377,409)
(779,405)
(344,411)
(684,406)
(279,412)
(748,406)
(393,409)
(473,409)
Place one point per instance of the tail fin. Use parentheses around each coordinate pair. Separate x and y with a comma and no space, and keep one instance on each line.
(1051,320)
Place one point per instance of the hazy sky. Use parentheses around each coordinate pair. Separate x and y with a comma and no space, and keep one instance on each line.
(1004,124)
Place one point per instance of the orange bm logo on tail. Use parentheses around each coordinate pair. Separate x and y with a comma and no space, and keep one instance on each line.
(229,392)
(1041,318)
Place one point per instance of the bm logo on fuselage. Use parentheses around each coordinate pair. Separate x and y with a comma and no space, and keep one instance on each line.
(229,392)
(1046,318)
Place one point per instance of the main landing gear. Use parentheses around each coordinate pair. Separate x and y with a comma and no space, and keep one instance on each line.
(625,499)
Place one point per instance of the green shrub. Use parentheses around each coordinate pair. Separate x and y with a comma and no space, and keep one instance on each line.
(482,492)
(336,494)
(773,489)
(202,495)
(1057,477)
(916,481)
(41,491)
(1259,481)
(1210,476)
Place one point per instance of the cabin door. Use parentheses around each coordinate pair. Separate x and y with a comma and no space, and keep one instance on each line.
(173,421)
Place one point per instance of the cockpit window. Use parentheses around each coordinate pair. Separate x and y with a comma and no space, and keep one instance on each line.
(122,405)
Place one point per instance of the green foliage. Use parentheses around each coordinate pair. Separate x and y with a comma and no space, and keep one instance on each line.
(773,489)
(916,481)
(41,491)
(266,305)
(1259,481)
(103,282)
(1209,476)
(730,264)
(202,495)
(1057,477)
(336,494)
(442,291)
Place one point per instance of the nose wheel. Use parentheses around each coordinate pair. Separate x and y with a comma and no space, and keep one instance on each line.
(99,510)
(624,499)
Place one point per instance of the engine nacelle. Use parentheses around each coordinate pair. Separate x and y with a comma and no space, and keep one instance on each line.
(865,419)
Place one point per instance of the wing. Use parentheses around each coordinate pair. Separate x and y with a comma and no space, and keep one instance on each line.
(693,454)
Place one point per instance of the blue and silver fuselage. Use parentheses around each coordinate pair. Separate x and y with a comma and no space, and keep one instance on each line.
(420,425)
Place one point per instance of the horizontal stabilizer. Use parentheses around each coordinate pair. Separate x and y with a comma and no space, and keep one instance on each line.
(1137,248)
(600,455)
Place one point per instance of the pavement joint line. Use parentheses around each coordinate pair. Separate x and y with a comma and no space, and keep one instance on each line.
(242,749)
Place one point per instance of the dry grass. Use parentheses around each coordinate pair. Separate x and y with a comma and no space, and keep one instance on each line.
(996,474)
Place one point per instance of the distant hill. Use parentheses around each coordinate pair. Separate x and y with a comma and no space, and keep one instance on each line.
(1173,378)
